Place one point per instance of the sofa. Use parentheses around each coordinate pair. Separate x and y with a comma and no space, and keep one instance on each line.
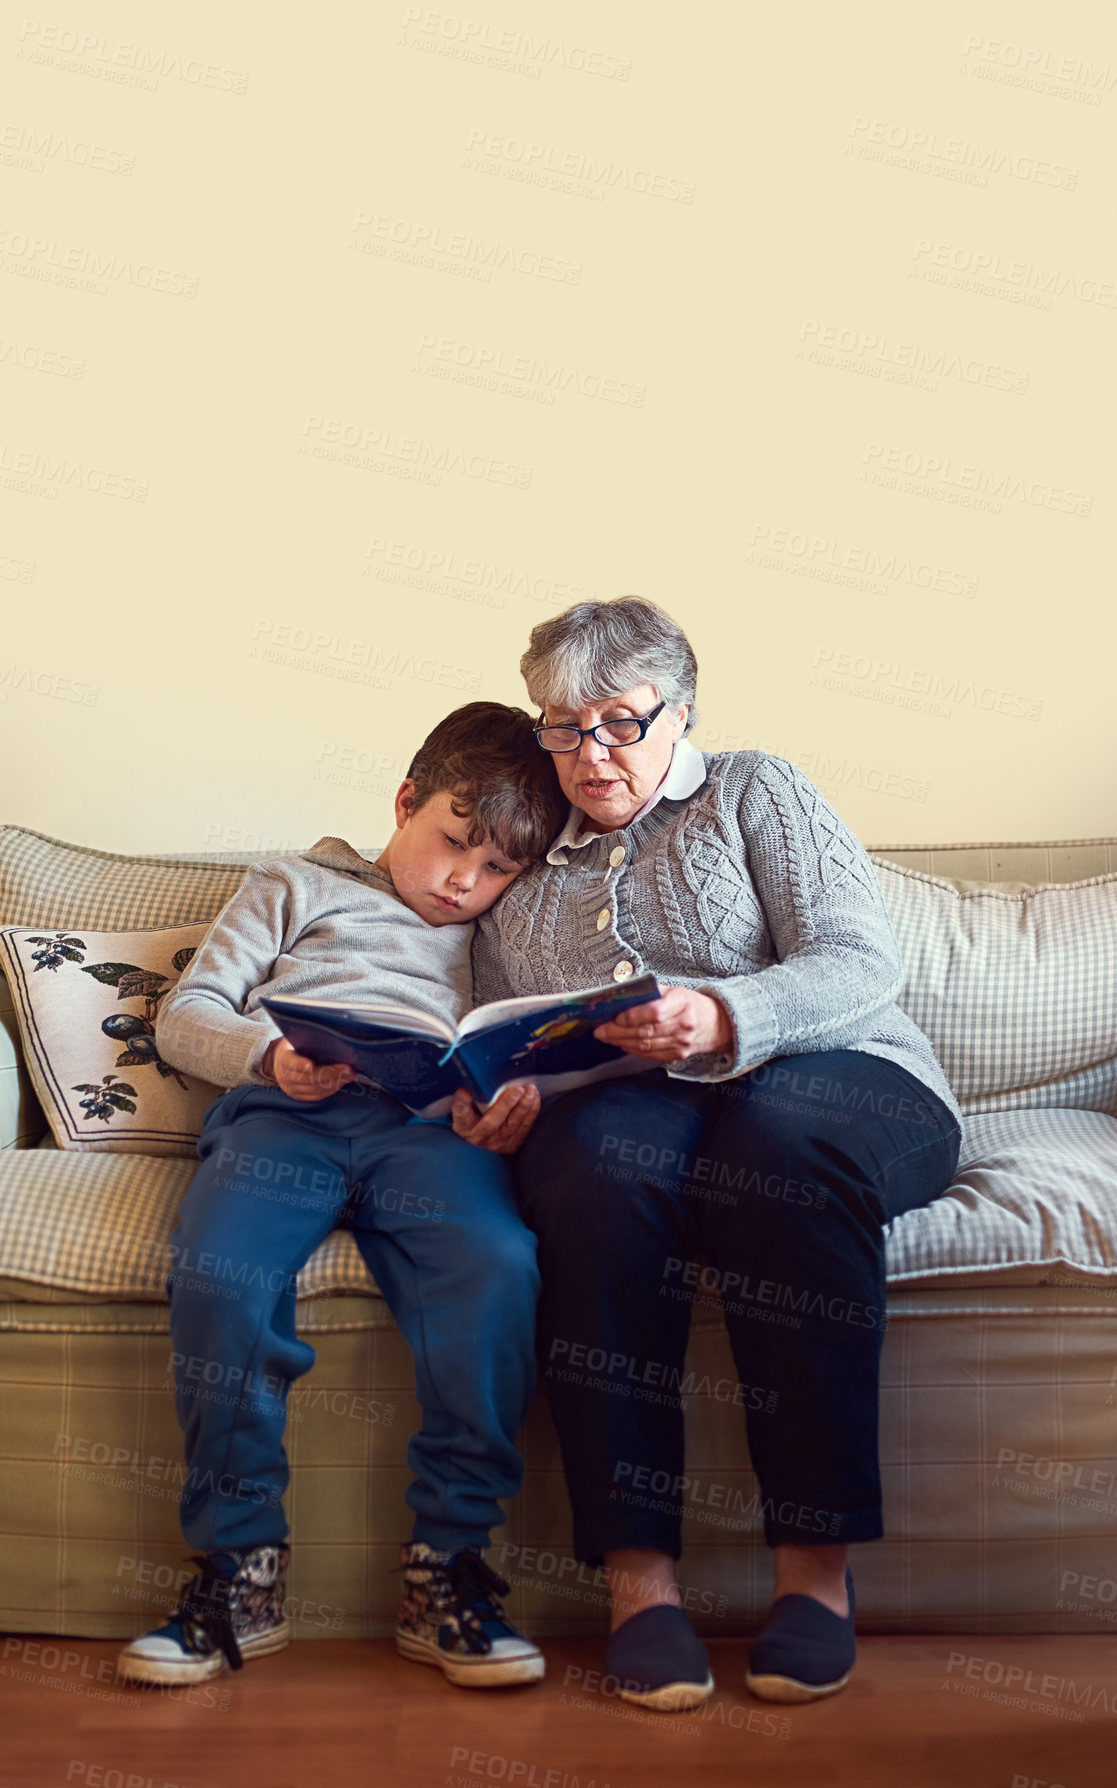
(999,1377)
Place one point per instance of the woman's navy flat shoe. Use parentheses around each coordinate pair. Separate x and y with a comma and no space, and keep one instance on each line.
(659,1661)
(802,1651)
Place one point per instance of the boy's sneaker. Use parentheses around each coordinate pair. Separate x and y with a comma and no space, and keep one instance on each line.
(232,1610)
(450,1617)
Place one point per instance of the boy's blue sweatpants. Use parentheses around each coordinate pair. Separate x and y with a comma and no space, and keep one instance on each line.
(437,1224)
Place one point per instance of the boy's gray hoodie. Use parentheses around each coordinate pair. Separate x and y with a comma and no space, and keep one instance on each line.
(327,922)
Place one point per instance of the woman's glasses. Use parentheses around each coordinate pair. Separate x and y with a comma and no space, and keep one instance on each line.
(607,732)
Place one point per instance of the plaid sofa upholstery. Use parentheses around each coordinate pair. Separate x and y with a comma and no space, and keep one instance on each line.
(1013,985)
(987,1375)
(98,1227)
(93,1463)
(45,881)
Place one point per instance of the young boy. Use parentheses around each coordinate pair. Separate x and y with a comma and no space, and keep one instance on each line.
(292,1151)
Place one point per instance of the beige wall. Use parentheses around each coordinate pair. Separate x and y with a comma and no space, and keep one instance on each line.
(336,349)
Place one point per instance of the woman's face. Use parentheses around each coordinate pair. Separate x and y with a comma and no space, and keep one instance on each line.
(611,785)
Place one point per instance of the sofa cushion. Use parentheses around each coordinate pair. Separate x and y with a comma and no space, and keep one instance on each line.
(47,885)
(87,1003)
(101,1225)
(46,882)
(1033,1202)
(1016,991)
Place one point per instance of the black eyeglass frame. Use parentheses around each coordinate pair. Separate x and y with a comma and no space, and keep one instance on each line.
(643,721)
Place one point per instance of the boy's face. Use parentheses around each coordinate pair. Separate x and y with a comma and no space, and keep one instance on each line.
(436,872)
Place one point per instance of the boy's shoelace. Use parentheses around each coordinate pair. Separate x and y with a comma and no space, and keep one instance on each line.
(467,1588)
(206,1604)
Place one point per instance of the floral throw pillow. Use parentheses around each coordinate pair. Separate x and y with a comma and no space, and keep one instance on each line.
(87,1002)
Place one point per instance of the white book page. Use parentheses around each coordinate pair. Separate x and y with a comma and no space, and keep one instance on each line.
(483,1017)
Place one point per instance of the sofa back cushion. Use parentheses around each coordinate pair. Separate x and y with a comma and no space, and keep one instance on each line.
(1016,989)
(46,882)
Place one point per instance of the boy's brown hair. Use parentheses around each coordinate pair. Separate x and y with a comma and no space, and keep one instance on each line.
(488,757)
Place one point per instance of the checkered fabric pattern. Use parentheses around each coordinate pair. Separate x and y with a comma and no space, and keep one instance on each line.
(99,1226)
(1035,1194)
(1033,1202)
(1014,990)
(44,881)
(93,1469)
(974,1385)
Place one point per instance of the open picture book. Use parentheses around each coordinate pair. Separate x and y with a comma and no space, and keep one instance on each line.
(546,1038)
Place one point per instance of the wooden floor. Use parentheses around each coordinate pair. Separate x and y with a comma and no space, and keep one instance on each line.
(919,1711)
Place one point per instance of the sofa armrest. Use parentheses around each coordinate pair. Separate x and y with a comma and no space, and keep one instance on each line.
(22,1120)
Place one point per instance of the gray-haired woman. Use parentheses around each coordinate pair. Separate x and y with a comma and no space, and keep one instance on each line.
(784,1078)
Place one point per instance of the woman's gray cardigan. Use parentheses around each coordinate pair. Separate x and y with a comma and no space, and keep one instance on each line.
(751,889)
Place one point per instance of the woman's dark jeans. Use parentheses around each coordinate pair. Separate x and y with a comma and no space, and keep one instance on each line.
(648,1195)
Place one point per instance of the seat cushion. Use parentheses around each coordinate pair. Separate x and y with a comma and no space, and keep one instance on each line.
(1015,990)
(1033,1202)
(101,1224)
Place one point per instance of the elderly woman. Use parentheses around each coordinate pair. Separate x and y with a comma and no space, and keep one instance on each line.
(786,1110)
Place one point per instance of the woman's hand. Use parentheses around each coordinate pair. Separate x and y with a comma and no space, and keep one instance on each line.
(299,1077)
(500,1126)
(682,1023)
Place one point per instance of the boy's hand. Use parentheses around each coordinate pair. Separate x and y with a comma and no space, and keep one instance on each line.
(299,1077)
(500,1126)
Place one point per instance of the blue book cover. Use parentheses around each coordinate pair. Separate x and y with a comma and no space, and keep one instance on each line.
(546,1038)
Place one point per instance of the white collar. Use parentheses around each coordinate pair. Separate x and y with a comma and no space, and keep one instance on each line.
(685,773)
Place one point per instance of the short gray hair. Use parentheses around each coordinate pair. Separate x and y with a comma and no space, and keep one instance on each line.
(597,649)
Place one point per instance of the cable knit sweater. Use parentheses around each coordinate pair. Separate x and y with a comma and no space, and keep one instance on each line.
(751,889)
